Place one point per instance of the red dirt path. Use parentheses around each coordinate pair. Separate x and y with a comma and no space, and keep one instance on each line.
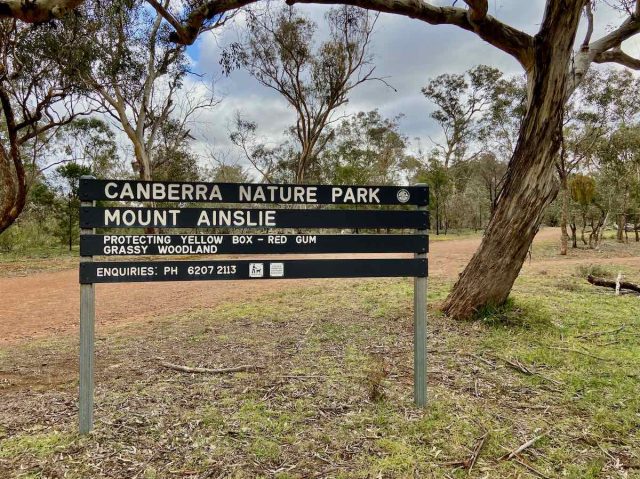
(44,304)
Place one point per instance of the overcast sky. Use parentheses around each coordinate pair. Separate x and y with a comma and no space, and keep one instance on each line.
(407,52)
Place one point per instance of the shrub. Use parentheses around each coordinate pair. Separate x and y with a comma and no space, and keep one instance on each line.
(597,270)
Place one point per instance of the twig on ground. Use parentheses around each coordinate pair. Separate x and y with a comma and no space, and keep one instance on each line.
(518,366)
(577,351)
(602,333)
(469,462)
(523,447)
(325,472)
(187,369)
(476,451)
(483,360)
(531,468)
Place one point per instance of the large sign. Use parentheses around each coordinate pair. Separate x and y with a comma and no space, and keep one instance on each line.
(249,269)
(213,244)
(214,231)
(159,191)
(124,217)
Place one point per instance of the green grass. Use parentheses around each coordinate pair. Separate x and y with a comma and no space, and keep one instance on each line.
(40,445)
(335,397)
(454,234)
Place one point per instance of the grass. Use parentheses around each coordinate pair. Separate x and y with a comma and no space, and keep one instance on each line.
(608,249)
(33,261)
(335,397)
(454,234)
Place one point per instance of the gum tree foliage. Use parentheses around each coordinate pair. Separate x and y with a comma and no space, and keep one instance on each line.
(138,77)
(479,114)
(619,156)
(39,94)
(89,142)
(270,161)
(281,51)
(584,193)
(68,212)
(460,102)
(555,63)
(365,148)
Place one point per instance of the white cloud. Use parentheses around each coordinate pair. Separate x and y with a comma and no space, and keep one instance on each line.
(407,53)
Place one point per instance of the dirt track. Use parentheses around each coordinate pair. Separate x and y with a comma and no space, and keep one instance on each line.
(44,304)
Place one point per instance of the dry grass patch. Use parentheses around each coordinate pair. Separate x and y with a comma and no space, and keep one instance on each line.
(335,396)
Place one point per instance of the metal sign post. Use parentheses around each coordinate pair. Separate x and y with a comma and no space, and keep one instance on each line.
(420,329)
(270,239)
(87,337)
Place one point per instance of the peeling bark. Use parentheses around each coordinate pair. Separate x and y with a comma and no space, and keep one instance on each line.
(14,179)
(564,216)
(530,184)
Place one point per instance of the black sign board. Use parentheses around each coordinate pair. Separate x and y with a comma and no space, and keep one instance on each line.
(361,201)
(125,272)
(123,217)
(160,191)
(210,244)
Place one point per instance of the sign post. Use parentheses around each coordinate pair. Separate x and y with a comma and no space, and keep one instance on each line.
(420,329)
(270,223)
(87,337)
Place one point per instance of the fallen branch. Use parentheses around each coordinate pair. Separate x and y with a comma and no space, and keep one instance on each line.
(469,462)
(601,333)
(605,283)
(518,366)
(187,369)
(476,452)
(577,351)
(531,468)
(526,445)
(481,359)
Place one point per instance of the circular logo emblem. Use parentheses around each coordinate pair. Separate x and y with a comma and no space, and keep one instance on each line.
(403,196)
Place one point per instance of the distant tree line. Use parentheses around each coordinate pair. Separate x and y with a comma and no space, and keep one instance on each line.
(507,146)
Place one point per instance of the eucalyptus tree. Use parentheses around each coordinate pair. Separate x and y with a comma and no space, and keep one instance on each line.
(555,62)
(89,142)
(38,95)
(138,77)
(280,50)
(460,100)
(619,156)
(366,148)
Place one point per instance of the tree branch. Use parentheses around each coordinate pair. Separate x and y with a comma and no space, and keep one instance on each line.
(589,14)
(616,55)
(37,11)
(508,39)
(607,48)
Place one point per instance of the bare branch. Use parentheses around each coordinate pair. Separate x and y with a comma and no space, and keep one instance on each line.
(476,19)
(616,55)
(588,9)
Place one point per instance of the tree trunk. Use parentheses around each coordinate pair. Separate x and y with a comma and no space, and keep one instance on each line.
(622,220)
(530,182)
(145,172)
(12,173)
(14,191)
(564,215)
(584,228)
(601,233)
(574,235)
